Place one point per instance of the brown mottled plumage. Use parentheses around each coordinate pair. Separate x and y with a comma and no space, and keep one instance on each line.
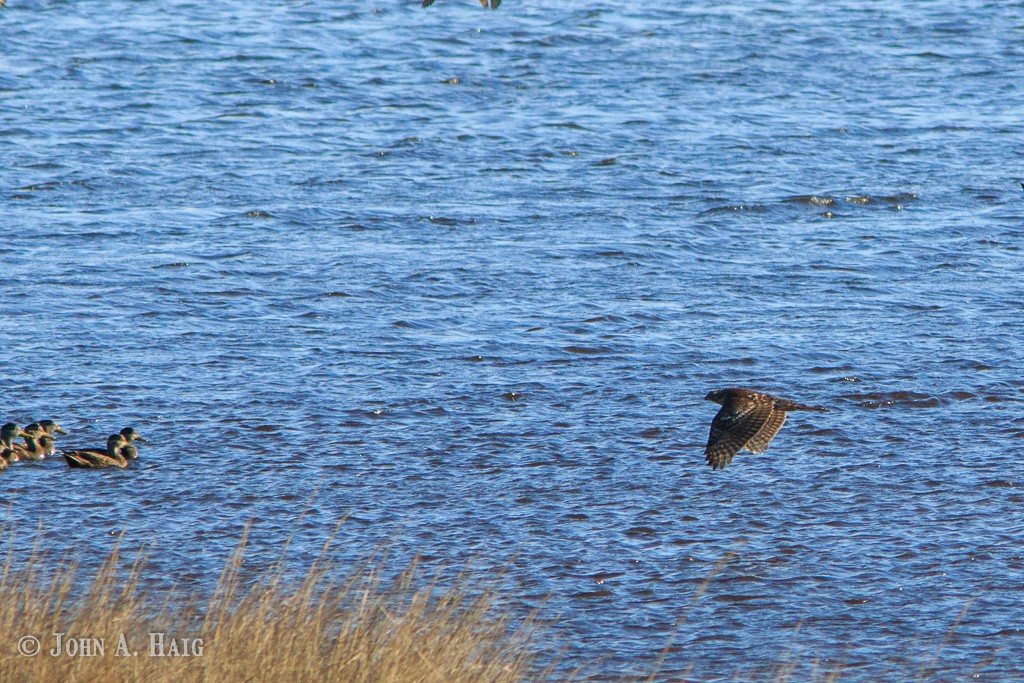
(93,458)
(33,449)
(8,452)
(38,440)
(748,420)
(118,453)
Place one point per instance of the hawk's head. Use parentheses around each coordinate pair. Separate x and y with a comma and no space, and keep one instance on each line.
(718,396)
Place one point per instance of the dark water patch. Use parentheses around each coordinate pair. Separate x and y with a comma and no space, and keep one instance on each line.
(587,350)
(899,198)
(737,599)
(735,208)
(591,595)
(830,370)
(999,483)
(969,364)
(908,399)
(960,395)
(812,200)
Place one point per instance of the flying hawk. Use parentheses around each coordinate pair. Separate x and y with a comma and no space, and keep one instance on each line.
(748,420)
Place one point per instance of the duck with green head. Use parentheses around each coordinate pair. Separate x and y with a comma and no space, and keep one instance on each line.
(32,449)
(46,440)
(129,451)
(8,451)
(93,458)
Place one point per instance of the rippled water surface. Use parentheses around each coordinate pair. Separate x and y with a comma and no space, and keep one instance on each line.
(465,276)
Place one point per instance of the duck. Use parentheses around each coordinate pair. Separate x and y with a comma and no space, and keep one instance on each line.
(129,451)
(93,458)
(46,440)
(8,451)
(33,449)
(38,440)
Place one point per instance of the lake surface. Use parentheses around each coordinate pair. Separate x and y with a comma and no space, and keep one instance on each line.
(465,277)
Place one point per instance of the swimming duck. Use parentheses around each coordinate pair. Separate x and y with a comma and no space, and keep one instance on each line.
(8,454)
(46,440)
(33,449)
(93,458)
(129,451)
(51,427)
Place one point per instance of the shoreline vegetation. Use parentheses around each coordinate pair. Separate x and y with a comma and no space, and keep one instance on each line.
(329,624)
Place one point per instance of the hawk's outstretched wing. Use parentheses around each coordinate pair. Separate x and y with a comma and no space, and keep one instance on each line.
(759,442)
(733,427)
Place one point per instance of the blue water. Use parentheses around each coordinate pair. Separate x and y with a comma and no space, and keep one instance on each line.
(465,277)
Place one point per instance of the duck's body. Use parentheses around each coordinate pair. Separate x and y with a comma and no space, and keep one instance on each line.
(93,458)
(33,448)
(48,445)
(8,451)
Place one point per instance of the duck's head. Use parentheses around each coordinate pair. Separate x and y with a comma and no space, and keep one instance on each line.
(130,435)
(33,430)
(115,442)
(51,427)
(9,432)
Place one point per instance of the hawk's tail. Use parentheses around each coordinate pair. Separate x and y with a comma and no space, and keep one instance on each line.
(787,405)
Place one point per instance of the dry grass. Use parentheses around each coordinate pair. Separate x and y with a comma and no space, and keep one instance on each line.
(327,625)
(321,627)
